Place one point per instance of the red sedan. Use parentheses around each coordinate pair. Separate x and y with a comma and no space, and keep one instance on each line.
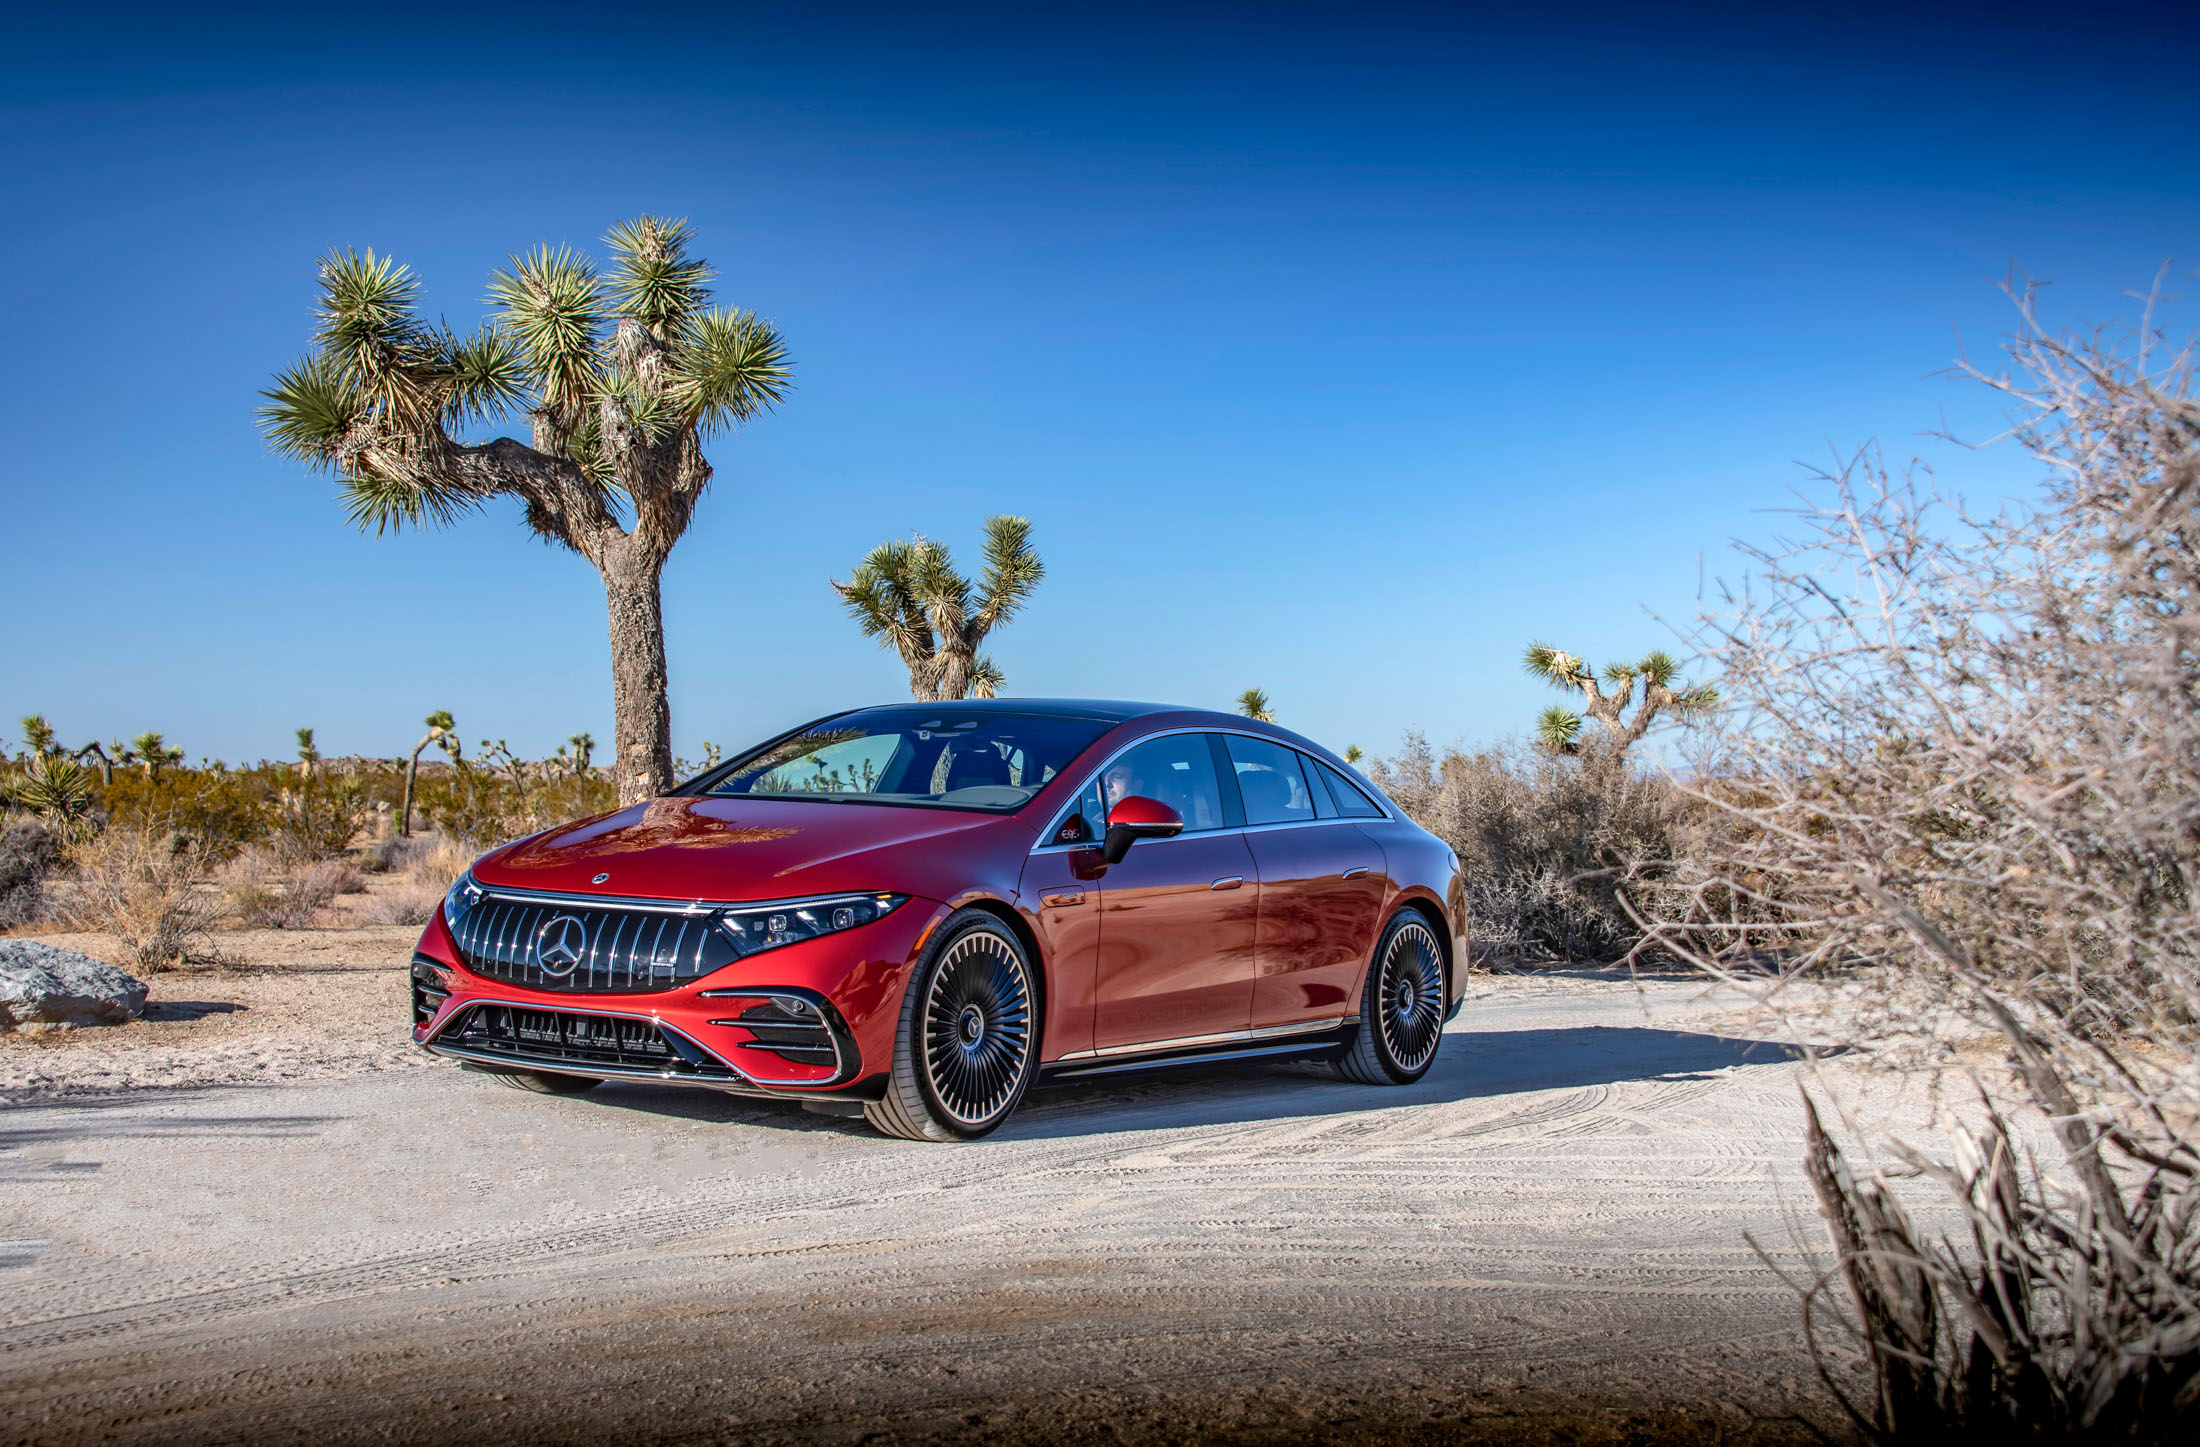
(924,908)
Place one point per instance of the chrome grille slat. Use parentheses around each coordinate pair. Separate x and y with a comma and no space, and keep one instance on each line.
(629,950)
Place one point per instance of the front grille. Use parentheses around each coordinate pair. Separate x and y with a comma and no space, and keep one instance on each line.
(560,1037)
(545,945)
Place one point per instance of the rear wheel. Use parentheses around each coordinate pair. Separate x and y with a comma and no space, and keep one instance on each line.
(1402,1008)
(544,1082)
(966,1048)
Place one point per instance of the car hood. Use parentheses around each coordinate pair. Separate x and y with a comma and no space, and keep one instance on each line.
(744,848)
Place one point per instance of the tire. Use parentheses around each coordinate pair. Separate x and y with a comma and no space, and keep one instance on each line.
(967,1046)
(1401,1007)
(544,1082)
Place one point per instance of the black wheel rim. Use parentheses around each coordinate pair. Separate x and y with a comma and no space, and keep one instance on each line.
(977,1027)
(1411,1006)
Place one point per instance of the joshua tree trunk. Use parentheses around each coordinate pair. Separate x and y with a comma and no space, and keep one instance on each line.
(642,715)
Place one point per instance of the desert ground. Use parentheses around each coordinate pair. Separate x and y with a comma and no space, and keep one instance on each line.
(260,1214)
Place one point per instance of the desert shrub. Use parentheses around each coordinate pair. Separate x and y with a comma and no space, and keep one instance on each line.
(146,888)
(1543,838)
(225,810)
(264,894)
(318,817)
(488,806)
(1968,751)
(30,849)
(409,901)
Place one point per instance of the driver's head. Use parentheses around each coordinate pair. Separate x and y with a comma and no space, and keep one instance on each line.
(1122,781)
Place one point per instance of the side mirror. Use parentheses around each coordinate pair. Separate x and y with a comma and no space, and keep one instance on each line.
(1134,818)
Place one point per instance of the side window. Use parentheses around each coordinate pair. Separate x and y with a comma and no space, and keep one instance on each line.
(1268,777)
(1325,801)
(1352,800)
(1086,821)
(1177,769)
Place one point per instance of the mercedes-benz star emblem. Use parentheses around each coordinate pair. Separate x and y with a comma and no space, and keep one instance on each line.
(559,945)
(599,879)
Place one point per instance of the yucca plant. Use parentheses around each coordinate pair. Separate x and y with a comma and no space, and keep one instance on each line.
(1559,728)
(909,596)
(1253,703)
(55,788)
(623,373)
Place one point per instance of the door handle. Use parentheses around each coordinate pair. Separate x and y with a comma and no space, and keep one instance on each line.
(1228,881)
(1354,873)
(1064,899)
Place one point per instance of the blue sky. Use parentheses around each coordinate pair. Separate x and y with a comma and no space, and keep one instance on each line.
(1335,352)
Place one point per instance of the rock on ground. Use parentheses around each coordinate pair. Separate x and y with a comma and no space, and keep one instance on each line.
(46,988)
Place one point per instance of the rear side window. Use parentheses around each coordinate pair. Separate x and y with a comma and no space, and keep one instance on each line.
(1268,778)
(1352,800)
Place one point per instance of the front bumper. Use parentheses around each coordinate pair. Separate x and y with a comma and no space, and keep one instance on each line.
(813,1020)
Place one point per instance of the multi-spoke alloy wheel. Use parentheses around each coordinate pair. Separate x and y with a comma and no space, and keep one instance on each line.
(1402,1010)
(964,1053)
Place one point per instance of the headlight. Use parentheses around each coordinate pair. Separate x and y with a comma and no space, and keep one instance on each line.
(768,926)
(464,895)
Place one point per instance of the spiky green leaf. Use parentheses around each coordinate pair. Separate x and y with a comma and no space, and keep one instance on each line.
(1555,665)
(309,410)
(653,279)
(551,304)
(1253,704)
(1659,667)
(1013,571)
(1559,729)
(488,377)
(732,367)
(385,506)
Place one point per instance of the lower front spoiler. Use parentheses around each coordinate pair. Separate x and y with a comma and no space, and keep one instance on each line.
(499,1063)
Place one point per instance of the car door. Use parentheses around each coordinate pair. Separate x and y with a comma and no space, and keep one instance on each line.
(1177,916)
(1322,886)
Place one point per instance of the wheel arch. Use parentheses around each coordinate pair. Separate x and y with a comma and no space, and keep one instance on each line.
(1432,911)
(1018,926)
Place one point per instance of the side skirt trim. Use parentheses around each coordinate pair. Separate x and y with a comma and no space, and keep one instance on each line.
(1332,1037)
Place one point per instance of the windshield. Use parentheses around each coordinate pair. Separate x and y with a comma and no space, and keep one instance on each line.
(924,754)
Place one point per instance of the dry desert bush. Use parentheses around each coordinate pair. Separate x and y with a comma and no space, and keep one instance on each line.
(146,887)
(1966,750)
(263,894)
(1543,837)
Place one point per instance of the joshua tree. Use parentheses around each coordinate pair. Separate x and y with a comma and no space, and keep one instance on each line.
(1559,729)
(910,596)
(1253,703)
(441,729)
(308,754)
(1353,753)
(622,374)
(150,752)
(584,748)
(38,736)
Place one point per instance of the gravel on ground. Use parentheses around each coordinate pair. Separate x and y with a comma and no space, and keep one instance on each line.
(261,1214)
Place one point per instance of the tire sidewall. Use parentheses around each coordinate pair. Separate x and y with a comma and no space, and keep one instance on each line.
(1372,1001)
(910,1053)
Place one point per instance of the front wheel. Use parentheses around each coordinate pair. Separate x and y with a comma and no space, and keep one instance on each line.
(1402,1008)
(966,1048)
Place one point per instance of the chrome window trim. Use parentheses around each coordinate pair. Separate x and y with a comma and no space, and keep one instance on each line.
(1227,1037)
(1064,812)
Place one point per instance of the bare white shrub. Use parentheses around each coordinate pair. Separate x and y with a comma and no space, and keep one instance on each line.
(1961,761)
(146,888)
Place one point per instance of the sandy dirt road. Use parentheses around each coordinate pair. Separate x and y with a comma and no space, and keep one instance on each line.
(1542,1240)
